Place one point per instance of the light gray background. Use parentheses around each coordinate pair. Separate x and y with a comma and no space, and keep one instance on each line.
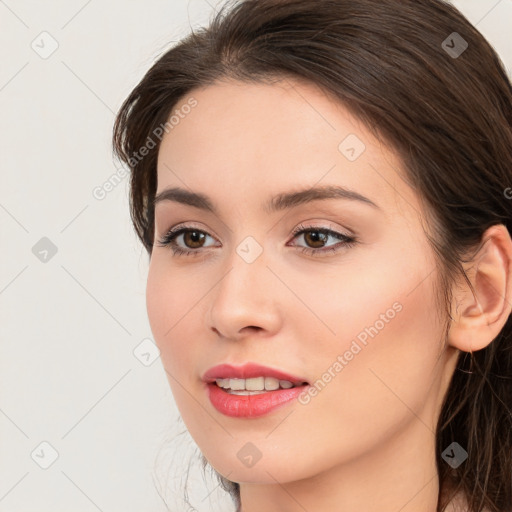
(71,370)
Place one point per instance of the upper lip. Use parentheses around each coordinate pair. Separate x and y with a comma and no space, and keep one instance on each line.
(246,371)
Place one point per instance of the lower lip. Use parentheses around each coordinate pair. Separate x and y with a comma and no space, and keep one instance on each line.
(250,406)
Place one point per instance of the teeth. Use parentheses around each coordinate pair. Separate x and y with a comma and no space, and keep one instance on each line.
(254,384)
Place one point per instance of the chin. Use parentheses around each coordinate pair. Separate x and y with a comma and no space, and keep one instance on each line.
(266,470)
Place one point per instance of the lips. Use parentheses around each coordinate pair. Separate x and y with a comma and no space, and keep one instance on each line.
(248,371)
(251,406)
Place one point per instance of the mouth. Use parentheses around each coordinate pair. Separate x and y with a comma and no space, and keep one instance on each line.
(255,385)
(254,396)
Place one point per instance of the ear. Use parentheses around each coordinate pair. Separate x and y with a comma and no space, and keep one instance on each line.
(479,318)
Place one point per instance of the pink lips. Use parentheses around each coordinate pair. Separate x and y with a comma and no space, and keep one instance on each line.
(250,406)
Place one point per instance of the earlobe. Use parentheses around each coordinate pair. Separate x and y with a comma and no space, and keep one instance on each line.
(479,317)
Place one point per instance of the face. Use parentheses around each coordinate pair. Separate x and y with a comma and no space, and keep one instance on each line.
(356,320)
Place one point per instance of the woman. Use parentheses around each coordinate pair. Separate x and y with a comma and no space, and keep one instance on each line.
(324,191)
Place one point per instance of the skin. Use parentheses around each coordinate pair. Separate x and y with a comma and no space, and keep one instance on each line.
(366,440)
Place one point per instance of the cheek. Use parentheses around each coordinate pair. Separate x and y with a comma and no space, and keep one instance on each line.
(157,298)
(167,305)
(173,297)
(384,301)
(388,337)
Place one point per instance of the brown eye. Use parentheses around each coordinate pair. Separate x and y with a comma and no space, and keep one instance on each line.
(317,240)
(193,239)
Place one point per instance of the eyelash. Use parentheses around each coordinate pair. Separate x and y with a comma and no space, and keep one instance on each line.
(347,241)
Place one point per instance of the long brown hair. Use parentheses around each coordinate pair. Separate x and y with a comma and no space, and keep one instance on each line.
(427,83)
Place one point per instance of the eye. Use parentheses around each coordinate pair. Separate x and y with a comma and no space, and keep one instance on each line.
(194,239)
(191,235)
(321,235)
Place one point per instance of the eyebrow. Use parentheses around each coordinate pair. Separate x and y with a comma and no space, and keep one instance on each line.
(277,203)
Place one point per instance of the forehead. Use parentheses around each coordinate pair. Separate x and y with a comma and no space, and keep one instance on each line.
(294,116)
(262,139)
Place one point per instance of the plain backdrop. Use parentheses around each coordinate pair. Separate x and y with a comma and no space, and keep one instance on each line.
(87,420)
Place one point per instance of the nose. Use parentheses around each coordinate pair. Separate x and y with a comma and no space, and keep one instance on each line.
(246,300)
